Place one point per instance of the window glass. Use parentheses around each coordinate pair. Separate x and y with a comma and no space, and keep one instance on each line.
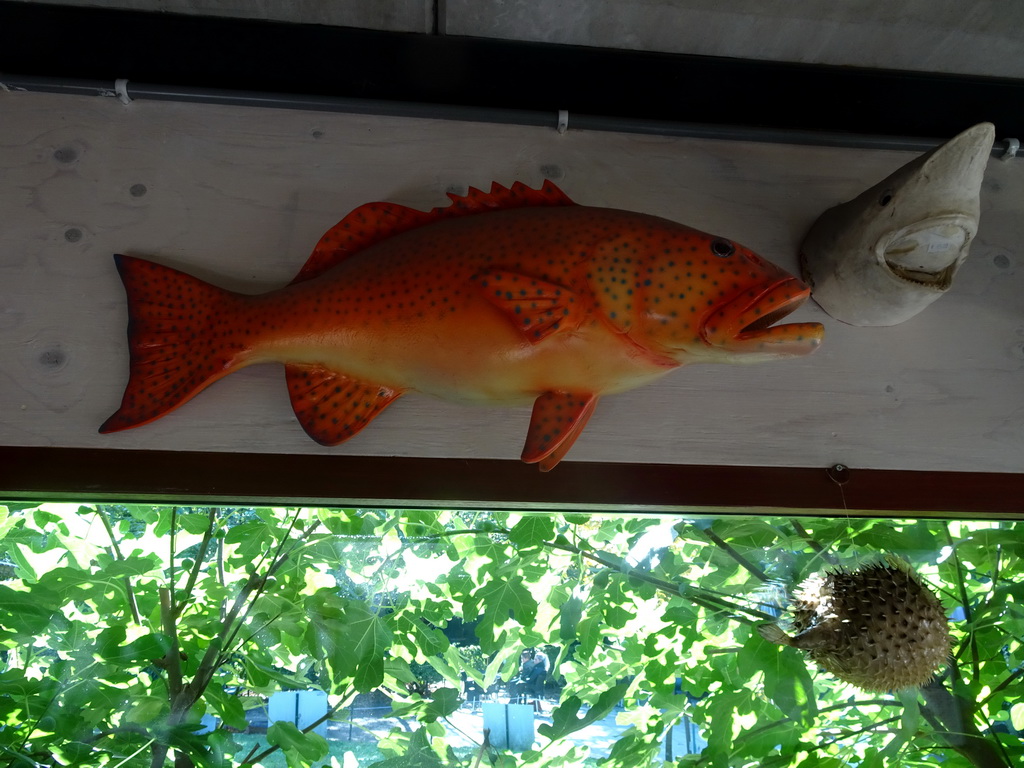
(135,635)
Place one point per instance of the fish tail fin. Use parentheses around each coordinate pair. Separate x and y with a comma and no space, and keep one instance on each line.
(180,339)
(773,633)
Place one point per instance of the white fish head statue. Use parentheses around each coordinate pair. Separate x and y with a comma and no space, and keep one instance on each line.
(882,257)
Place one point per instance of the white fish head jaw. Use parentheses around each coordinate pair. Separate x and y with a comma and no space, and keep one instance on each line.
(884,256)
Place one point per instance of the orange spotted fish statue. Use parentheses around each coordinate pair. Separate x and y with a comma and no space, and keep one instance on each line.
(509,297)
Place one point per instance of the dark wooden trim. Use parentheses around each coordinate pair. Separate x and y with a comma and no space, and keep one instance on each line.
(57,474)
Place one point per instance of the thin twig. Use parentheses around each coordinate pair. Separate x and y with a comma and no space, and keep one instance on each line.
(691,593)
(132,603)
(865,729)
(221,578)
(701,597)
(20,758)
(814,544)
(29,731)
(260,586)
(280,546)
(753,733)
(845,705)
(256,631)
(170,568)
(994,737)
(1009,680)
(216,653)
(446,534)
(249,759)
(968,614)
(133,754)
(138,730)
(718,541)
(480,752)
(211,659)
(197,566)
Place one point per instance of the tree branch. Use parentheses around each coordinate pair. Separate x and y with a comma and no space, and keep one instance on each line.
(968,614)
(955,716)
(219,649)
(1007,681)
(866,729)
(189,693)
(170,566)
(698,596)
(197,566)
(701,597)
(719,542)
(813,543)
(280,558)
(221,578)
(250,758)
(132,604)
(995,574)
(172,663)
(172,659)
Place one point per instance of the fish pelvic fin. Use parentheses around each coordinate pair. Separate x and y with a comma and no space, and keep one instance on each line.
(558,419)
(371,223)
(331,406)
(773,633)
(182,337)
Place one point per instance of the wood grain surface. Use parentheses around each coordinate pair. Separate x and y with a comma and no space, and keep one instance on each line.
(239,196)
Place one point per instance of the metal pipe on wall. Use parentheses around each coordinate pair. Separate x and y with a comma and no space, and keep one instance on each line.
(129,91)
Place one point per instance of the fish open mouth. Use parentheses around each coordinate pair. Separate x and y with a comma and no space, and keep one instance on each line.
(777,301)
(940,281)
(764,322)
(753,322)
(927,253)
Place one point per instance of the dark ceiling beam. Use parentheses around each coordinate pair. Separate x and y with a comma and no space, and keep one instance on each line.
(83,475)
(74,43)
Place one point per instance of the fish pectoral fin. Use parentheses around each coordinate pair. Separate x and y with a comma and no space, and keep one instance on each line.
(538,308)
(558,419)
(773,633)
(331,406)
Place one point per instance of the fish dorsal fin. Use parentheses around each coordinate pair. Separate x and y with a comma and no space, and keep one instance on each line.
(502,198)
(365,226)
(371,223)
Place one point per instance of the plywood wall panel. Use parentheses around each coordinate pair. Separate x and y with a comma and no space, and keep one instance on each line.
(239,196)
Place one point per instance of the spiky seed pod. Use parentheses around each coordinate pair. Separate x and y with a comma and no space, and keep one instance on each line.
(877,627)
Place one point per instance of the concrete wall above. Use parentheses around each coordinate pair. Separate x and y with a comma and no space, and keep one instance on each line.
(982,37)
(386,15)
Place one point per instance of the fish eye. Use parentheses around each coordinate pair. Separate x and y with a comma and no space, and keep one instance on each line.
(886,198)
(722,248)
